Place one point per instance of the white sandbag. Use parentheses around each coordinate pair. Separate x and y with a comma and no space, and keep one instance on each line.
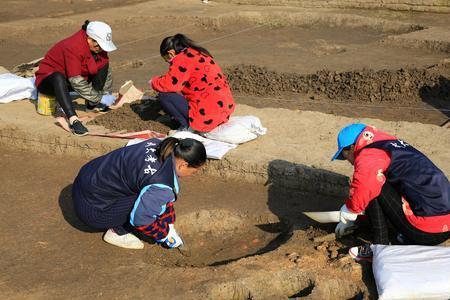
(214,149)
(237,130)
(13,87)
(411,272)
(3,70)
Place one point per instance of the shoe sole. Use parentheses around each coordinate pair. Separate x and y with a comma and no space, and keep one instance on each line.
(358,258)
(78,134)
(112,242)
(140,247)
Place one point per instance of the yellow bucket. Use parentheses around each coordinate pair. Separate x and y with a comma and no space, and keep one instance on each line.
(46,105)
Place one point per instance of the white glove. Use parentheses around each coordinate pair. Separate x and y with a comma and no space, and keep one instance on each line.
(346,215)
(172,240)
(343,229)
(347,218)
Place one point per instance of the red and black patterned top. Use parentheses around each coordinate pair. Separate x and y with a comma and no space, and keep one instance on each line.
(201,81)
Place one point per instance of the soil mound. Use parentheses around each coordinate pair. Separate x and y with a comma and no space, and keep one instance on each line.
(137,116)
(401,86)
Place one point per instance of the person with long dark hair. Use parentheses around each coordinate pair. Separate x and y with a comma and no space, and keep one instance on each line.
(392,181)
(79,63)
(134,189)
(194,91)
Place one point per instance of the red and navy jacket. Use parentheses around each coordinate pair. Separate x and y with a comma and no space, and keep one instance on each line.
(201,81)
(424,188)
(71,57)
(133,174)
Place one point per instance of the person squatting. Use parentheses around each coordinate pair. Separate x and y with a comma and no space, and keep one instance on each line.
(132,189)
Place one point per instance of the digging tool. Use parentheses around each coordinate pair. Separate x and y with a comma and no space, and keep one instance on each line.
(328,217)
(324,216)
(185,250)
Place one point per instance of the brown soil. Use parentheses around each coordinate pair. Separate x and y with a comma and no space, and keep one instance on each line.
(364,65)
(388,88)
(24,9)
(137,116)
(404,86)
(232,229)
(246,241)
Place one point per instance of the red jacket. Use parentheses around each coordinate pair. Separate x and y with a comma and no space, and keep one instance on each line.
(71,57)
(368,179)
(201,81)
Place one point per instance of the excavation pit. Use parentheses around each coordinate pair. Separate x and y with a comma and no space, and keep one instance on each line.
(218,248)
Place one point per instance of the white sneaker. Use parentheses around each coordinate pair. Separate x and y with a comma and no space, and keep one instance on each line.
(128,241)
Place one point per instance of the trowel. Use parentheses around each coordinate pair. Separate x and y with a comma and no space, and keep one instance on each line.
(324,216)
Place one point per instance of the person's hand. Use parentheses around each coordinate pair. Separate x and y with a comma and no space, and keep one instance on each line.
(343,229)
(108,100)
(172,240)
(346,215)
(346,221)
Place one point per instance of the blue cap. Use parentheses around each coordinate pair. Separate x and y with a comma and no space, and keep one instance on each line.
(346,137)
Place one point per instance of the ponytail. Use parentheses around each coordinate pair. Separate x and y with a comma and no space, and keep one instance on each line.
(179,42)
(86,23)
(190,150)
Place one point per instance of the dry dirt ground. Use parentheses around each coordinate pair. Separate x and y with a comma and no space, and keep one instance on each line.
(238,246)
(247,241)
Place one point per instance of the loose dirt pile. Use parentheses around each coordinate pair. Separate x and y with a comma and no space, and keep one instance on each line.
(137,116)
(406,85)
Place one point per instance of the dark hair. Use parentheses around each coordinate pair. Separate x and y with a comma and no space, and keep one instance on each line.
(347,148)
(190,150)
(178,42)
(84,26)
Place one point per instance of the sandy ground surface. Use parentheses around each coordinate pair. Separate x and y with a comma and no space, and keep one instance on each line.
(48,253)
(304,72)
(291,43)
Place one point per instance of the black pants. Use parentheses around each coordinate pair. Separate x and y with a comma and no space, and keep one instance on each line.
(389,205)
(57,85)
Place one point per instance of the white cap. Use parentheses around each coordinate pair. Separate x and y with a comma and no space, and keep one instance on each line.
(102,33)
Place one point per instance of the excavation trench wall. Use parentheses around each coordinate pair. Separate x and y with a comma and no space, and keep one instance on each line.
(308,19)
(439,6)
(245,16)
(284,157)
(280,172)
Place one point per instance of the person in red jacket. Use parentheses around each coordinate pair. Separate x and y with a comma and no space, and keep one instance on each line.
(80,63)
(392,180)
(194,91)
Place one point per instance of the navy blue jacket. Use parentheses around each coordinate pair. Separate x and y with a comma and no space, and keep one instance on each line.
(414,176)
(130,174)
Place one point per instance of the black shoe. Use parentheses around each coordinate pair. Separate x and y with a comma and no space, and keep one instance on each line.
(78,128)
(89,107)
(100,107)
